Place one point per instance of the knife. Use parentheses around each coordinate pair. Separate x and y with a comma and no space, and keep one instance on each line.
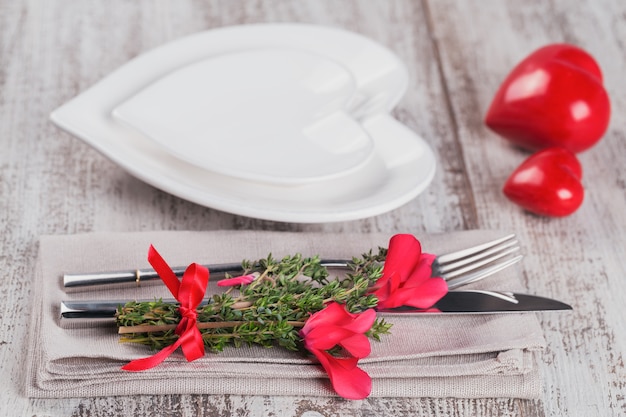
(454,302)
(488,302)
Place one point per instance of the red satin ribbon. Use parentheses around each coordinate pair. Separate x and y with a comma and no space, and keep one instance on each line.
(189,292)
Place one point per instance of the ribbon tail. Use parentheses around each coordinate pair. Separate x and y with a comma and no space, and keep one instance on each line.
(150,362)
(192,343)
(168,276)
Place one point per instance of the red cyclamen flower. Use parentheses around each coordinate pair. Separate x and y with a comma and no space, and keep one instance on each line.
(242,280)
(333,326)
(406,279)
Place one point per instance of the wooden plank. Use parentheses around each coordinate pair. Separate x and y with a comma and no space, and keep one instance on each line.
(457,53)
(579,258)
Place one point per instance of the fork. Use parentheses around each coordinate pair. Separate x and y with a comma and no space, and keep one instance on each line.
(457,268)
(478,262)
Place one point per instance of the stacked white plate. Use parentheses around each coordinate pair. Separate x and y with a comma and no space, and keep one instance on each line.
(283,122)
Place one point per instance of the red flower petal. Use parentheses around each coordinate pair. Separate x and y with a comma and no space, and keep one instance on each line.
(407,277)
(332,313)
(333,326)
(424,296)
(242,280)
(347,379)
(383,287)
(404,251)
(357,345)
(403,255)
(361,322)
(422,272)
(431,291)
(326,337)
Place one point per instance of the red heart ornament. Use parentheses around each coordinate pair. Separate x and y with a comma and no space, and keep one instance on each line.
(547,183)
(554,97)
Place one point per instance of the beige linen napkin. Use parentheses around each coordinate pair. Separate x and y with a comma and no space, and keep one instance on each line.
(465,356)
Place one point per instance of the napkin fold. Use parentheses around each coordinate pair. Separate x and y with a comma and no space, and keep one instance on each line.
(463,356)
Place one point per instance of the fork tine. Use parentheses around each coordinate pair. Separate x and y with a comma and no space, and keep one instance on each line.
(454,256)
(453,269)
(482,273)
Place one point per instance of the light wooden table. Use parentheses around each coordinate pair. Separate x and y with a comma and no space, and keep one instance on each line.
(457,53)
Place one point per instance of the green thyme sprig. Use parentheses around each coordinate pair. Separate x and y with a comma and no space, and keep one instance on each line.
(268,312)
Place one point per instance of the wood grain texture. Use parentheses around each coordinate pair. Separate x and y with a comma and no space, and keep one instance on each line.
(457,53)
(579,258)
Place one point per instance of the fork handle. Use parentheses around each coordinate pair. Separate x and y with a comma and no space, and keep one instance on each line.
(138,276)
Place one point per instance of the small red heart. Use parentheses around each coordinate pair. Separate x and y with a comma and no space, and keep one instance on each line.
(547,183)
(554,97)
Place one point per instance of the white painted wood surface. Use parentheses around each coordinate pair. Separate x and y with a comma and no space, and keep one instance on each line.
(457,52)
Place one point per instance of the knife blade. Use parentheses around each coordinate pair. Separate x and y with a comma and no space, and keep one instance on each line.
(454,302)
(487,302)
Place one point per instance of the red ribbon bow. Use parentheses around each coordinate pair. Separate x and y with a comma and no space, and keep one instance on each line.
(189,292)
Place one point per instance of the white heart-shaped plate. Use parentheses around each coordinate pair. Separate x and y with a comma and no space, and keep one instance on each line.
(274,115)
(386,165)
